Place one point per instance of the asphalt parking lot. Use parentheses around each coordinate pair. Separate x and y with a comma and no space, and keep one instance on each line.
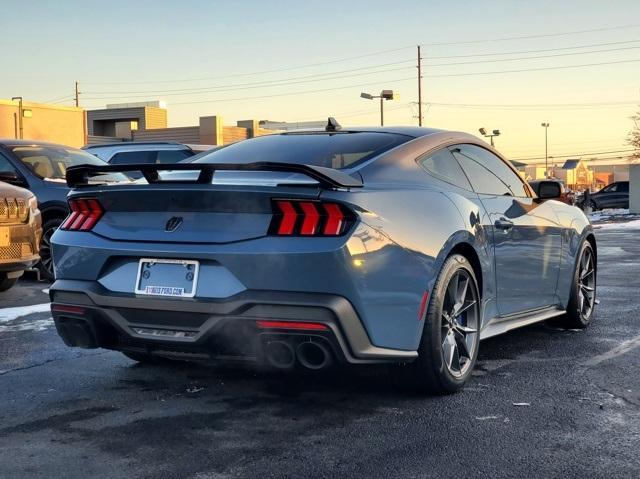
(543,402)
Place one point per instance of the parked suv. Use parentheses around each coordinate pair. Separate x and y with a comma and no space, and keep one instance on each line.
(20,232)
(615,195)
(41,167)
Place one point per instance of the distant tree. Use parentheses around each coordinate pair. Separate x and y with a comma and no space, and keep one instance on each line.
(634,136)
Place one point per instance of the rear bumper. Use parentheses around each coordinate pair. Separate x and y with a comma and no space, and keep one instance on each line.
(204,329)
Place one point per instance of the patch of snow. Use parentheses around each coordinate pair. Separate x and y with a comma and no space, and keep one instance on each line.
(45,290)
(629,225)
(607,213)
(37,325)
(11,314)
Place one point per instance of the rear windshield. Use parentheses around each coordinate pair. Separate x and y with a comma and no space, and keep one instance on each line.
(336,150)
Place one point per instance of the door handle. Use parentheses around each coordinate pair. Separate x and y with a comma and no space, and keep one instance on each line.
(503,224)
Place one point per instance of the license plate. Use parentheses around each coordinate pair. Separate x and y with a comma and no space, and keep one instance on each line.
(4,237)
(176,278)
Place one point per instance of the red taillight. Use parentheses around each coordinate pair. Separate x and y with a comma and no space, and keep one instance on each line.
(300,325)
(85,213)
(67,308)
(310,218)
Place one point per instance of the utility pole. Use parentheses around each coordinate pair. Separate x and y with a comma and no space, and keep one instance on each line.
(381,111)
(419,88)
(20,113)
(77,96)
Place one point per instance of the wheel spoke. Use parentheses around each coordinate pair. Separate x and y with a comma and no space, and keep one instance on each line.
(448,349)
(461,341)
(463,309)
(452,290)
(586,274)
(465,329)
(584,287)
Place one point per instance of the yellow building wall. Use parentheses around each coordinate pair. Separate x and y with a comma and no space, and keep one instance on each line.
(58,124)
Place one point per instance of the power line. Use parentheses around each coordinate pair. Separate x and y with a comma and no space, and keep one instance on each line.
(266,83)
(496,60)
(357,57)
(578,154)
(262,72)
(519,52)
(564,67)
(525,37)
(276,95)
(534,106)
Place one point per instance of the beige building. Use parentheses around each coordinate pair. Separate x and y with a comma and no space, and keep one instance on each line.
(58,124)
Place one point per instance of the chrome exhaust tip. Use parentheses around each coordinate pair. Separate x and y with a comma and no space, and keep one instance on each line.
(313,355)
(280,354)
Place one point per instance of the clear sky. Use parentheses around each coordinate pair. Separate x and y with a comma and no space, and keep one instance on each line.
(209,57)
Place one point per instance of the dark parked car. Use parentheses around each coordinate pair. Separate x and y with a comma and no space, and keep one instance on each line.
(41,167)
(20,232)
(615,195)
(354,246)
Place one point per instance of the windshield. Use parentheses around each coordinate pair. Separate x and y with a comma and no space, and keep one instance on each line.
(336,150)
(51,162)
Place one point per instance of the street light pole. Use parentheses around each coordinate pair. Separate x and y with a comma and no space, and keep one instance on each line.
(20,129)
(545,125)
(384,95)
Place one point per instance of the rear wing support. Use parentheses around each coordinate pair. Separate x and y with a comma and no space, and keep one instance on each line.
(327,178)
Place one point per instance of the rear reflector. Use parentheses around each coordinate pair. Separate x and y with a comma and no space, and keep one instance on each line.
(67,308)
(423,305)
(85,213)
(310,218)
(299,325)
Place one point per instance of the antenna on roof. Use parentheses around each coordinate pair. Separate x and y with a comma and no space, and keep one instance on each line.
(332,125)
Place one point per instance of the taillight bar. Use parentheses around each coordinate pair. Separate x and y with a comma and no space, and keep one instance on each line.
(298,325)
(85,213)
(310,218)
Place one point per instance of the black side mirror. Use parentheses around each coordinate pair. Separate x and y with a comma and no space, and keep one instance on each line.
(12,178)
(548,190)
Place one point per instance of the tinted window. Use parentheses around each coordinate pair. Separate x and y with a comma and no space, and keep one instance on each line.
(508,178)
(129,157)
(336,150)
(444,166)
(483,180)
(623,187)
(172,156)
(51,162)
(6,166)
(611,188)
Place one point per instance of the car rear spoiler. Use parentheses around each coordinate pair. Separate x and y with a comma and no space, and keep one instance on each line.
(328,178)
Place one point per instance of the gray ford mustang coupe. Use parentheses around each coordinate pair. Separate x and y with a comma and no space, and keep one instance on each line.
(306,249)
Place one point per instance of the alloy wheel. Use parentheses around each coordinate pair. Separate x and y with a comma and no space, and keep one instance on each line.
(586,283)
(46,258)
(460,321)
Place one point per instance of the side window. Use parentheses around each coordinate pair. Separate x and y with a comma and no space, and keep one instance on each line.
(444,166)
(483,180)
(623,187)
(129,157)
(495,165)
(172,156)
(6,166)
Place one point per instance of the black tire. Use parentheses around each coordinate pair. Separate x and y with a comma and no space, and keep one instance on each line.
(430,372)
(579,314)
(46,261)
(6,283)
(593,205)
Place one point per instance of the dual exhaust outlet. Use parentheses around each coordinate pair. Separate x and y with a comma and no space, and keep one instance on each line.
(282,354)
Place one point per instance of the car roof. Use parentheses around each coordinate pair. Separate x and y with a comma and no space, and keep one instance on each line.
(134,143)
(413,131)
(15,142)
